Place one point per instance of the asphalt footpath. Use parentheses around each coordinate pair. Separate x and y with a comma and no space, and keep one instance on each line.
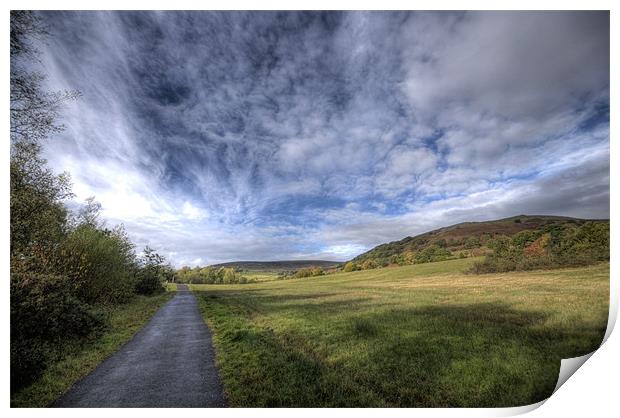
(169,363)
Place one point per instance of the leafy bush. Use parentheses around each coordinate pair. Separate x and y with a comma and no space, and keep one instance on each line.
(309,272)
(472,242)
(229,276)
(369,264)
(524,238)
(432,253)
(38,216)
(549,247)
(581,245)
(350,266)
(152,273)
(100,264)
(45,317)
(210,275)
(148,282)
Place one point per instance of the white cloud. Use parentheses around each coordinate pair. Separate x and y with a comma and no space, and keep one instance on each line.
(192,212)
(346,251)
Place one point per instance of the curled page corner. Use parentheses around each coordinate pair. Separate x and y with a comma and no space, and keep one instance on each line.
(613,314)
(568,366)
(518,410)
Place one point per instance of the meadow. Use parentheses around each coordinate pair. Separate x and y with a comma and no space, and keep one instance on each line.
(262,276)
(424,335)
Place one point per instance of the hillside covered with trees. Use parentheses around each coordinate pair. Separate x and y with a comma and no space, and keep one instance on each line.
(515,243)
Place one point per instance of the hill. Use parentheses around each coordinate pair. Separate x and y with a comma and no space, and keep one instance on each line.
(461,240)
(277,266)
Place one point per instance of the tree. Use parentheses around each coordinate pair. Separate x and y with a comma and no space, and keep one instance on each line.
(34,112)
(89,213)
(100,263)
(152,273)
(525,238)
(369,264)
(229,276)
(44,311)
(472,242)
(350,266)
(309,272)
(38,217)
(432,253)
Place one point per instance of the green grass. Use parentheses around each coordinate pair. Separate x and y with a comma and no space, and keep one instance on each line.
(124,321)
(261,276)
(422,335)
(170,287)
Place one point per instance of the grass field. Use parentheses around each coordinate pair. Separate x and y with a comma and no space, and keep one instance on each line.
(261,276)
(124,321)
(421,335)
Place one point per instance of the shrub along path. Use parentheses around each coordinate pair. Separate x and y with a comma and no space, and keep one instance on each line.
(169,363)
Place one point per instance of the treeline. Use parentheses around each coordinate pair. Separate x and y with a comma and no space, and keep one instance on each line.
(421,249)
(553,246)
(65,267)
(433,252)
(229,275)
(306,272)
(210,275)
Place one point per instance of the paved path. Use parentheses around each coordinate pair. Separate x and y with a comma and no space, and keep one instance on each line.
(169,363)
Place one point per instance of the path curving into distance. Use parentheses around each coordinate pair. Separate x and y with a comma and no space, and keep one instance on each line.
(169,363)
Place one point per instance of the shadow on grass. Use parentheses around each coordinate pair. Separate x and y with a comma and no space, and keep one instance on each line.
(299,304)
(473,355)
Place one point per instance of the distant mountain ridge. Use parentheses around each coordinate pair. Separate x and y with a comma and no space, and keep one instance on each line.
(282,265)
(464,239)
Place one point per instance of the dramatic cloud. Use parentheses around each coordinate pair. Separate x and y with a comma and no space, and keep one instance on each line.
(230,135)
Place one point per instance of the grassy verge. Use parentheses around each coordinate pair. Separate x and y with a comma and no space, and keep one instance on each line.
(124,321)
(171,287)
(422,335)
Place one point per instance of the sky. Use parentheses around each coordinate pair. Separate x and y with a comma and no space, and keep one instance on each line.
(221,136)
